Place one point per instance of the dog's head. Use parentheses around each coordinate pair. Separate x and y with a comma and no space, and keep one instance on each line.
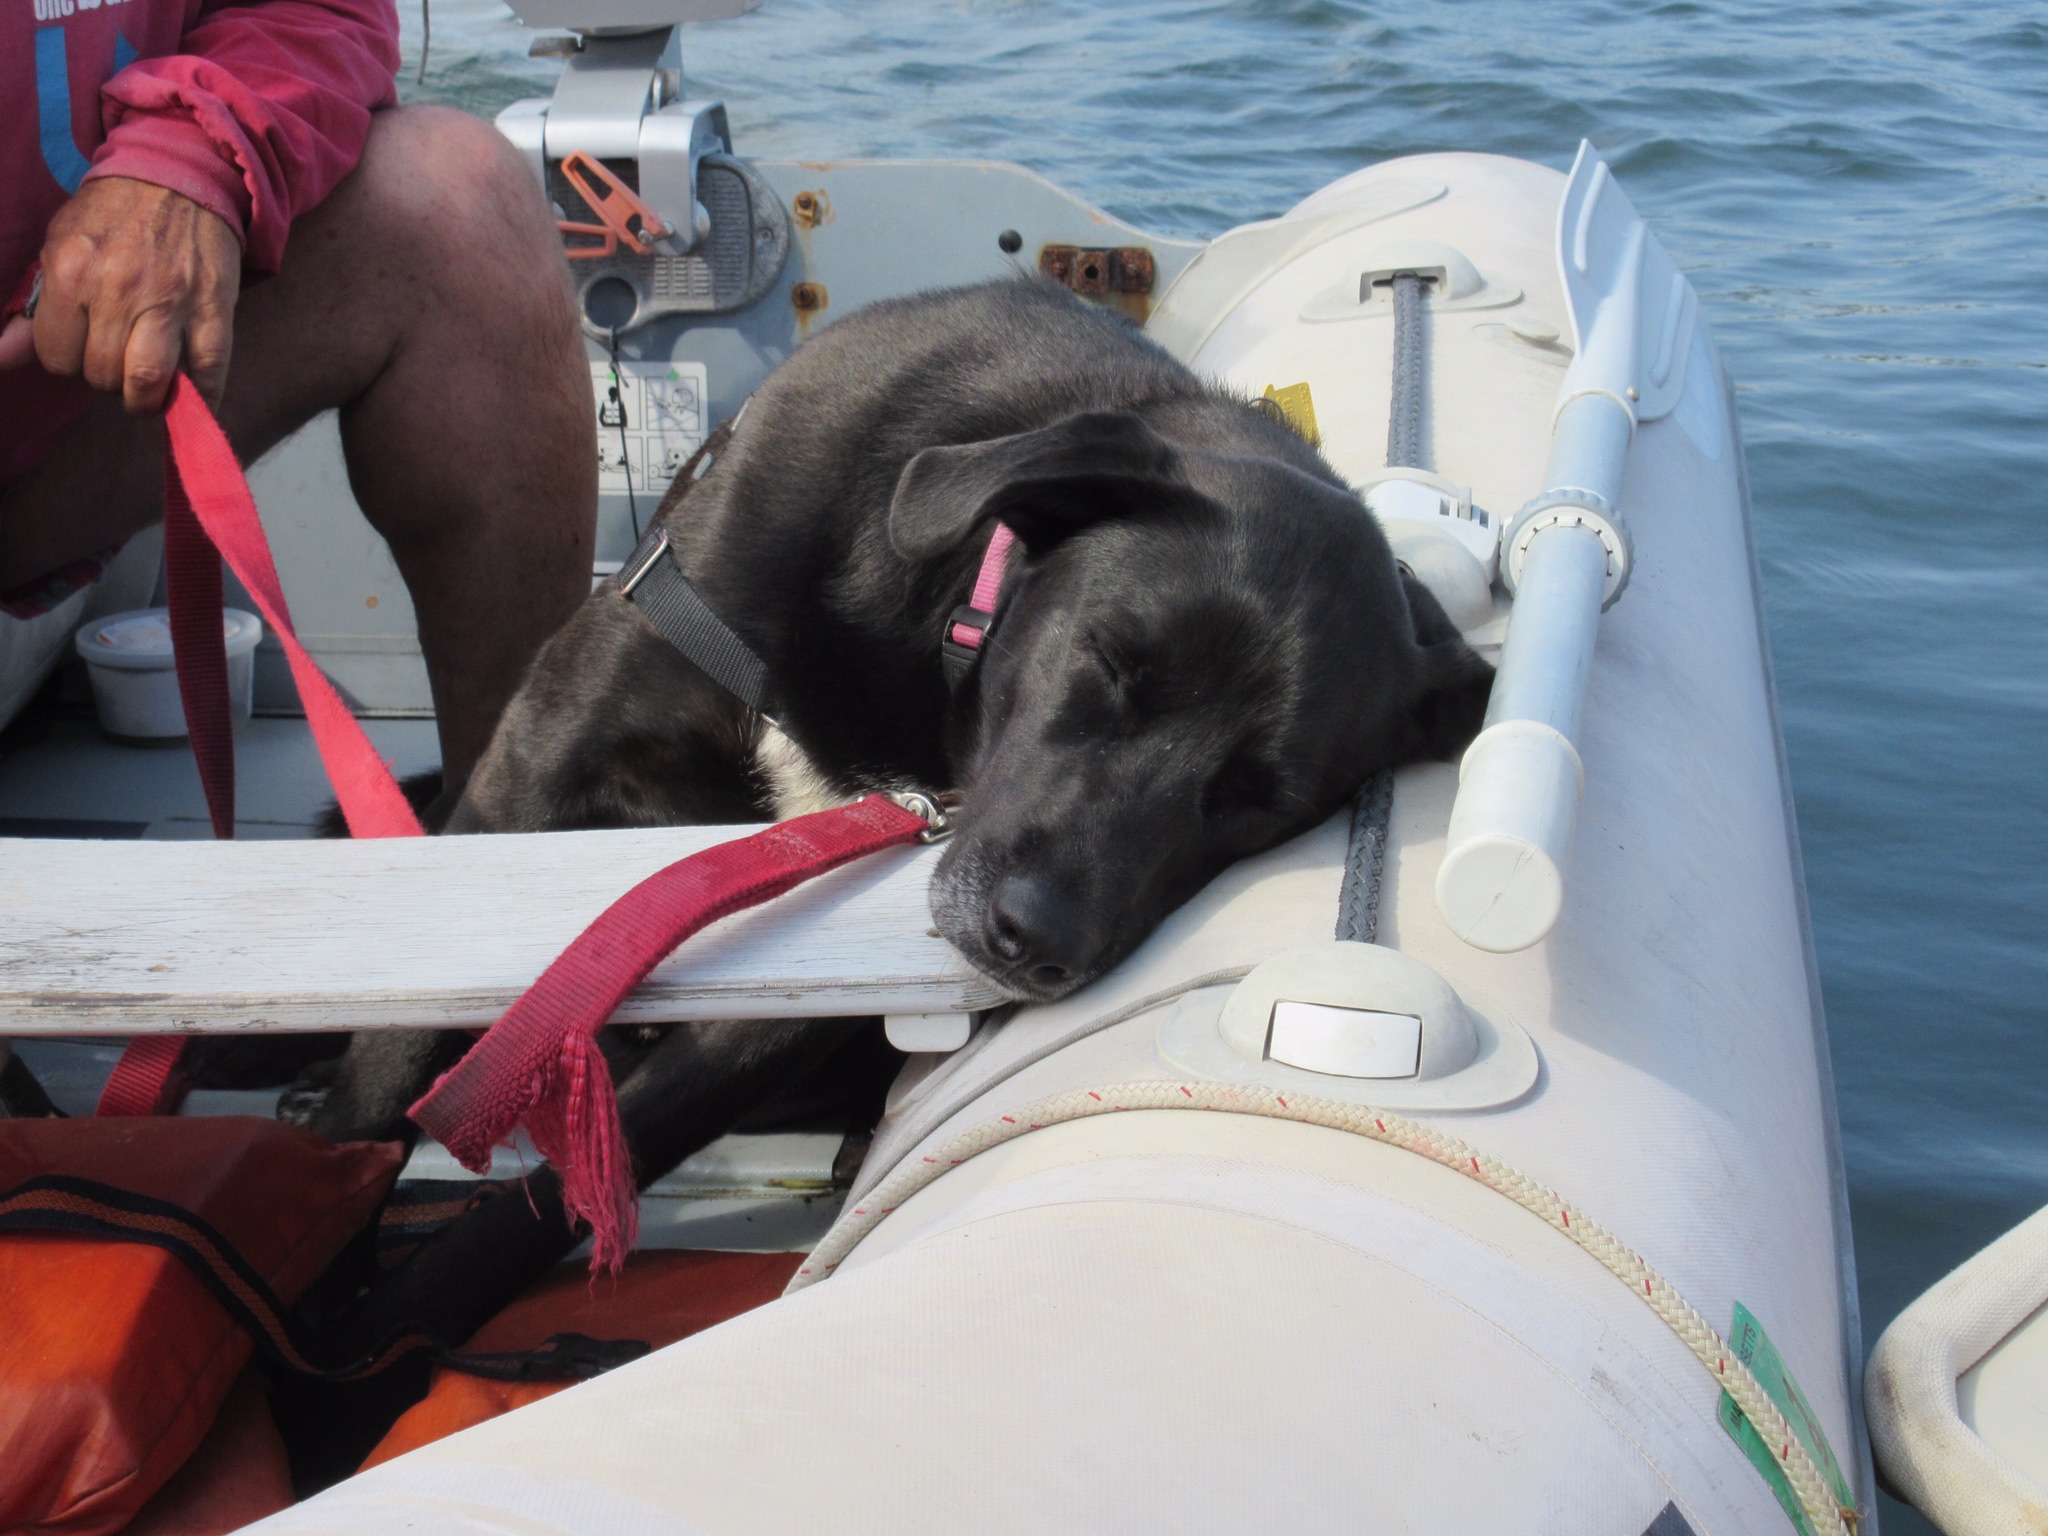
(1201,654)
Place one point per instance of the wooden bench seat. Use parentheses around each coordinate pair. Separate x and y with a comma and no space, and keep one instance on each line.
(121,938)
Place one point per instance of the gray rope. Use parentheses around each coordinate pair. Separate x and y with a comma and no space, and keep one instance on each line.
(1358,904)
(1404,414)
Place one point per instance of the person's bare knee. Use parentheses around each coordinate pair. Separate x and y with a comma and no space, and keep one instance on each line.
(439,236)
(452,203)
(489,350)
(474,452)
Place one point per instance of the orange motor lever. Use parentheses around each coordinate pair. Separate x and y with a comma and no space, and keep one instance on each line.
(585,252)
(617,204)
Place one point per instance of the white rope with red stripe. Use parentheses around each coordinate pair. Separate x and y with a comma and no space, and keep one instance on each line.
(1626,1265)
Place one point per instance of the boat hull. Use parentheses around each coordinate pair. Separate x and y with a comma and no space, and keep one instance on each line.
(1209,1321)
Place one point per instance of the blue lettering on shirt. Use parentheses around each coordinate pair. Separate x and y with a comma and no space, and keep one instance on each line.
(67,163)
(53,102)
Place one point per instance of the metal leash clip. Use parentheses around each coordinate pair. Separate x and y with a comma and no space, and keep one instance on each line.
(931,809)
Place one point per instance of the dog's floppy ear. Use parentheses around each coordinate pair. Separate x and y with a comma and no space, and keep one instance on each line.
(1456,681)
(1044,484)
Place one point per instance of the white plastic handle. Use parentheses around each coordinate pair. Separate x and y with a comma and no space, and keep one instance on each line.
(1501,884)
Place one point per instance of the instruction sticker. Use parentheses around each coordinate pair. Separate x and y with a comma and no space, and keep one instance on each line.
(650,419)
(1753,1347)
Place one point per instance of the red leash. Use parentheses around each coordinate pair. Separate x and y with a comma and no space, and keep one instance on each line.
(149,1079)
(539,1064)
(209,516)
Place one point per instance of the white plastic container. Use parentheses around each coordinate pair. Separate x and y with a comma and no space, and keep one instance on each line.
(135,677)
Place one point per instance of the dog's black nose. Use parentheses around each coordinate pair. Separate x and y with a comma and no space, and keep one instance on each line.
(1030,926)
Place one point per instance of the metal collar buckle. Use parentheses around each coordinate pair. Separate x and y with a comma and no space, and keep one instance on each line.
(931,809)
(636,573)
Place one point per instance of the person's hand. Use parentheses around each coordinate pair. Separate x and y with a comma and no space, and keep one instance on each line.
(137,281)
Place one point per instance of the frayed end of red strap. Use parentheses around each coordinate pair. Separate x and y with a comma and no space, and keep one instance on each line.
(469,1140)
(576,1126)
(571,1111)
(540,1062)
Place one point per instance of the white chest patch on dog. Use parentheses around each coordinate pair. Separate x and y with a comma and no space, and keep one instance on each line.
(795,782)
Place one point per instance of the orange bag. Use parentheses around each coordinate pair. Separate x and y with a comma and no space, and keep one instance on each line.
(240,1474)
(660,1296)
(116,1356)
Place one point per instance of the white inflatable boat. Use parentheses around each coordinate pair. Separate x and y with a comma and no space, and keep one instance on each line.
(1958,1396)
(1467,1165)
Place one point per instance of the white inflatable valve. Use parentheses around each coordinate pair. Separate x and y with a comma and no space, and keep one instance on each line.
(1447,544)
(1566,557)
(1350,1010)
(1353,1022)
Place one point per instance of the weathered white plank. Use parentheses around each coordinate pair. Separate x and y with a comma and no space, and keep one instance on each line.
(415,933)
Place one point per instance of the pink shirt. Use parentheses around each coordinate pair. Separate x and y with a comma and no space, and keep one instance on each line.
(253,110)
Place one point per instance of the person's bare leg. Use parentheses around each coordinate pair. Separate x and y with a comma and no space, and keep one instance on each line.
(102,482)
(468,423)
(427,299)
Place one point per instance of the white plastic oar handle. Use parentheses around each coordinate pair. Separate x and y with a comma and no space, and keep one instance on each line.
(1566,556)
(1501,884)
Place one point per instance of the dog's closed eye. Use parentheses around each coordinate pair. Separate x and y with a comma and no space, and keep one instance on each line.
(1131,676)
(1111,660)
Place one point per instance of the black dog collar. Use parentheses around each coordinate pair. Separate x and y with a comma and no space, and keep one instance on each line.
(652,582)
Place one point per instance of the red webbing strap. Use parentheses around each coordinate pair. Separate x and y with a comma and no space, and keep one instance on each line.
(540,1064)
(201,463)
(146,1080)
(209,516)
(199,646)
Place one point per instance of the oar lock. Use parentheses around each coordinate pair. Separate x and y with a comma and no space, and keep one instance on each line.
(1570,507)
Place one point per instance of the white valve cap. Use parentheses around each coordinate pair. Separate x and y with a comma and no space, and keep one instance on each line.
(1501,884)
(1446,567)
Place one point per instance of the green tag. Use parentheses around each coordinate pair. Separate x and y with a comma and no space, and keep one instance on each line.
(1753,1347)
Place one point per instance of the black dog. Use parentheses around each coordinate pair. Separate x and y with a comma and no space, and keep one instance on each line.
(1203,647)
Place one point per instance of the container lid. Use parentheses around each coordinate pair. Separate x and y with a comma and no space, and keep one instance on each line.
(140,640)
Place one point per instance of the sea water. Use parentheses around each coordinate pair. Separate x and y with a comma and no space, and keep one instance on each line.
(1860,195)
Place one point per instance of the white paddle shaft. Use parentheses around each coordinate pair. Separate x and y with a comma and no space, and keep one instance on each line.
(1566,556)
(1501,884)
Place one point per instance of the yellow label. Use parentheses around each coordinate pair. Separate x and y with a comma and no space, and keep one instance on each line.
(1298,406)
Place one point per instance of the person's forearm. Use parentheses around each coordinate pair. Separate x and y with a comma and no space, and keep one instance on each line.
(265,108)
(210,154)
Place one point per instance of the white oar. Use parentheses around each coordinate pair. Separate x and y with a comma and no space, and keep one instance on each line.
(1566,557)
